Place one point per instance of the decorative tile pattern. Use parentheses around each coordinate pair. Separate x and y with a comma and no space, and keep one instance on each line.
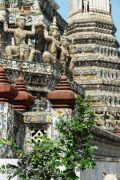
(9,125)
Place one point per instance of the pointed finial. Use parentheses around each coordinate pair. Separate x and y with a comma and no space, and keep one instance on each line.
(62,96)
(54,24)
(7,91)
(24,99)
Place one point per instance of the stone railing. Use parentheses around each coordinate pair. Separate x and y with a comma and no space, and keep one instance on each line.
(38,76)
(77,88)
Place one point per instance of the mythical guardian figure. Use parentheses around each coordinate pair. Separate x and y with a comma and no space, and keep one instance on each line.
(52,55)
(19,47)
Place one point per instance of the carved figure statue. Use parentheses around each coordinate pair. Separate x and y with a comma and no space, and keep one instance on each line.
(19,47)
(33,51)
(112,176)
(36,10)
(53,43)
(65,45)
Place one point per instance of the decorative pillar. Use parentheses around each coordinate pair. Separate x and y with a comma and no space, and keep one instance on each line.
(94,5)
(99,6)
(91,5)
(22,102)
(63,102)
(8,122)
(80,5)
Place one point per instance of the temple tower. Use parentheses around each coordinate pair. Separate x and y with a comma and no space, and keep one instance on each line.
(100,6)
(95,56)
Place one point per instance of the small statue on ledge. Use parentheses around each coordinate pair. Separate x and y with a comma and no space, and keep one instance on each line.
(19,47)
(52,55)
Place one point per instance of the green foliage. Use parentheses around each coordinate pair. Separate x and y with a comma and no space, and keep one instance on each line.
(40,163)
(76,139)
(71,151)
(9,142)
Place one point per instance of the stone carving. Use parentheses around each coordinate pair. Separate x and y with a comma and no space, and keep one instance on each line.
(47,58)
(19,47)
(99,121)
(65,45)
(33,51)
(35,16)
(112,176)
(40,105)
(53,44)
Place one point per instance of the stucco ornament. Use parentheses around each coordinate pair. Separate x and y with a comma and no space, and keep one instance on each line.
(33,51)
(13,3)
(19,47)
(53,44)
(36,14)
(112,176)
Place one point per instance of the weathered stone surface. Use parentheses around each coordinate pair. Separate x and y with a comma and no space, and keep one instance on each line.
(95,57)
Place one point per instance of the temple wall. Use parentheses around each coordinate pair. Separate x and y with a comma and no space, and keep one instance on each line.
(107,165)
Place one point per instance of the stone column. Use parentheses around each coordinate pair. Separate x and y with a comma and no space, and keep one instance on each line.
(80,5)
(91,5)
(8,124)
(22,103)
(6,130)
(108,6)
(62,99)
(99,6)
(75,6)
(70,7)
(94,5)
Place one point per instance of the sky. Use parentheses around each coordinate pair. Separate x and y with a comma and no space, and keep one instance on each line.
(115,11)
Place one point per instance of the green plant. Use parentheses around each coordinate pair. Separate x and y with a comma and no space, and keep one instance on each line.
(72,150)
(76,139)
(8,142)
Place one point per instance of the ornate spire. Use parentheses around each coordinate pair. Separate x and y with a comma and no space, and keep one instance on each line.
(95,55)
(62,96)
(24,99)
